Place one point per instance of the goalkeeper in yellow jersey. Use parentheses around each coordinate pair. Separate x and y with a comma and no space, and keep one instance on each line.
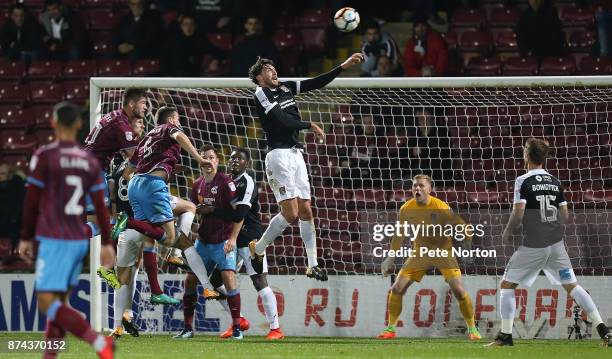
(434,216)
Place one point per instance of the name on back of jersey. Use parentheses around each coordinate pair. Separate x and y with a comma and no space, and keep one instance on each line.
(74,162)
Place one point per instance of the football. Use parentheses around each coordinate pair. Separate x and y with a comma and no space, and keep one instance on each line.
(346,19)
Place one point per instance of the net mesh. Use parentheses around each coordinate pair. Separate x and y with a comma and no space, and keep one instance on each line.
(468,139)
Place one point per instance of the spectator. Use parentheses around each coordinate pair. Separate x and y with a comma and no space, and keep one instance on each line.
(604,31)
(185,48)
(137,36)
(21,35)
(384,68)
(12,192)
(252,45)
(65,36)
(214,15)
(538,32)
(425,54)
(377,43)
(429,148)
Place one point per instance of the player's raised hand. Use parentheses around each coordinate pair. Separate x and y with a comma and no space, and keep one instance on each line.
(318,131)
(26,251)
(354,59)
(388,266)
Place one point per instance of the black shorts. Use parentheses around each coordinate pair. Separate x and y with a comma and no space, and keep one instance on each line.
(244,237)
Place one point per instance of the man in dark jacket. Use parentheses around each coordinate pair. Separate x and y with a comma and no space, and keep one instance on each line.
(137,36)
(65,36)
(21,35)
(252,45)
(538,32)
(185,48)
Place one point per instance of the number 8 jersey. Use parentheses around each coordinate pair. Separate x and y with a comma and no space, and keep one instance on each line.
(65,173)
(543,195)
(158,150)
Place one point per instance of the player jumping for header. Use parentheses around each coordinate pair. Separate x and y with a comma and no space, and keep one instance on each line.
(285,166)
(114,134)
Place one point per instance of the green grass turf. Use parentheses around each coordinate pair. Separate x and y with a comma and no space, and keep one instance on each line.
(163,346)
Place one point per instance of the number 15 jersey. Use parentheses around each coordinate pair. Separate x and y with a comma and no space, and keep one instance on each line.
(543,195)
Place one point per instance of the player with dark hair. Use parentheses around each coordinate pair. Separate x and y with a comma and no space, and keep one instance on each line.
(217,237)
(285,166)
(541,208)
(114,134)
(246,205)
(154,161)
(60,175)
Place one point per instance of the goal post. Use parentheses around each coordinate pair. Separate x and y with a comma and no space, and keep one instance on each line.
(360,174)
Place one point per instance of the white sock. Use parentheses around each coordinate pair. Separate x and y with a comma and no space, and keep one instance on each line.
(197,266)
(276,227)
(269,303)
(132,289)
(121,300)
(507,309)
(184,223)
(585,301)
(99,344)
(308,234)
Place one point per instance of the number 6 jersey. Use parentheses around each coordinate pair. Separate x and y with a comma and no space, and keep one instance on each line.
(543,195)
(158,150)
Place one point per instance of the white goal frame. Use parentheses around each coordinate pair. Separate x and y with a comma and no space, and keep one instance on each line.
(95,108)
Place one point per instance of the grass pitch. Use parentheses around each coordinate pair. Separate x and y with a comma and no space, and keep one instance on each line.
(202,346)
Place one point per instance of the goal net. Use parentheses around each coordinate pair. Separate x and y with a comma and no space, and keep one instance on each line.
(467,134)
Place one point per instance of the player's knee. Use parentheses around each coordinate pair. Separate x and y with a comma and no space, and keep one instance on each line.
(399,289)
(259,281)
(229,280)
(190,207)
(290,216)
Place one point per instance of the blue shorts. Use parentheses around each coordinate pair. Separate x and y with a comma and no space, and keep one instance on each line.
(150,199)
(59,263)
(214,256)
(89,207)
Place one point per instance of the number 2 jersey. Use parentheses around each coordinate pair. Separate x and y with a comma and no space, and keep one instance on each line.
(158,150)
(66,173)
(543,195)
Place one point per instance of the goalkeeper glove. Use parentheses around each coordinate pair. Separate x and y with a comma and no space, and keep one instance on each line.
(387,266)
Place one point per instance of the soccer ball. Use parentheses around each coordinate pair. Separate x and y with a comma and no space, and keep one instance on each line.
(346,19)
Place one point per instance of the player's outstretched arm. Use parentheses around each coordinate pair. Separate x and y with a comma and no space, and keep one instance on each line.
(324,79)
(185,144)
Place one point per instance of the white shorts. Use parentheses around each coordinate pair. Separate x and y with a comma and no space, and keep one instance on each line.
(129,245)
(173,202)
(287,174)
(245,254)
(526,263)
